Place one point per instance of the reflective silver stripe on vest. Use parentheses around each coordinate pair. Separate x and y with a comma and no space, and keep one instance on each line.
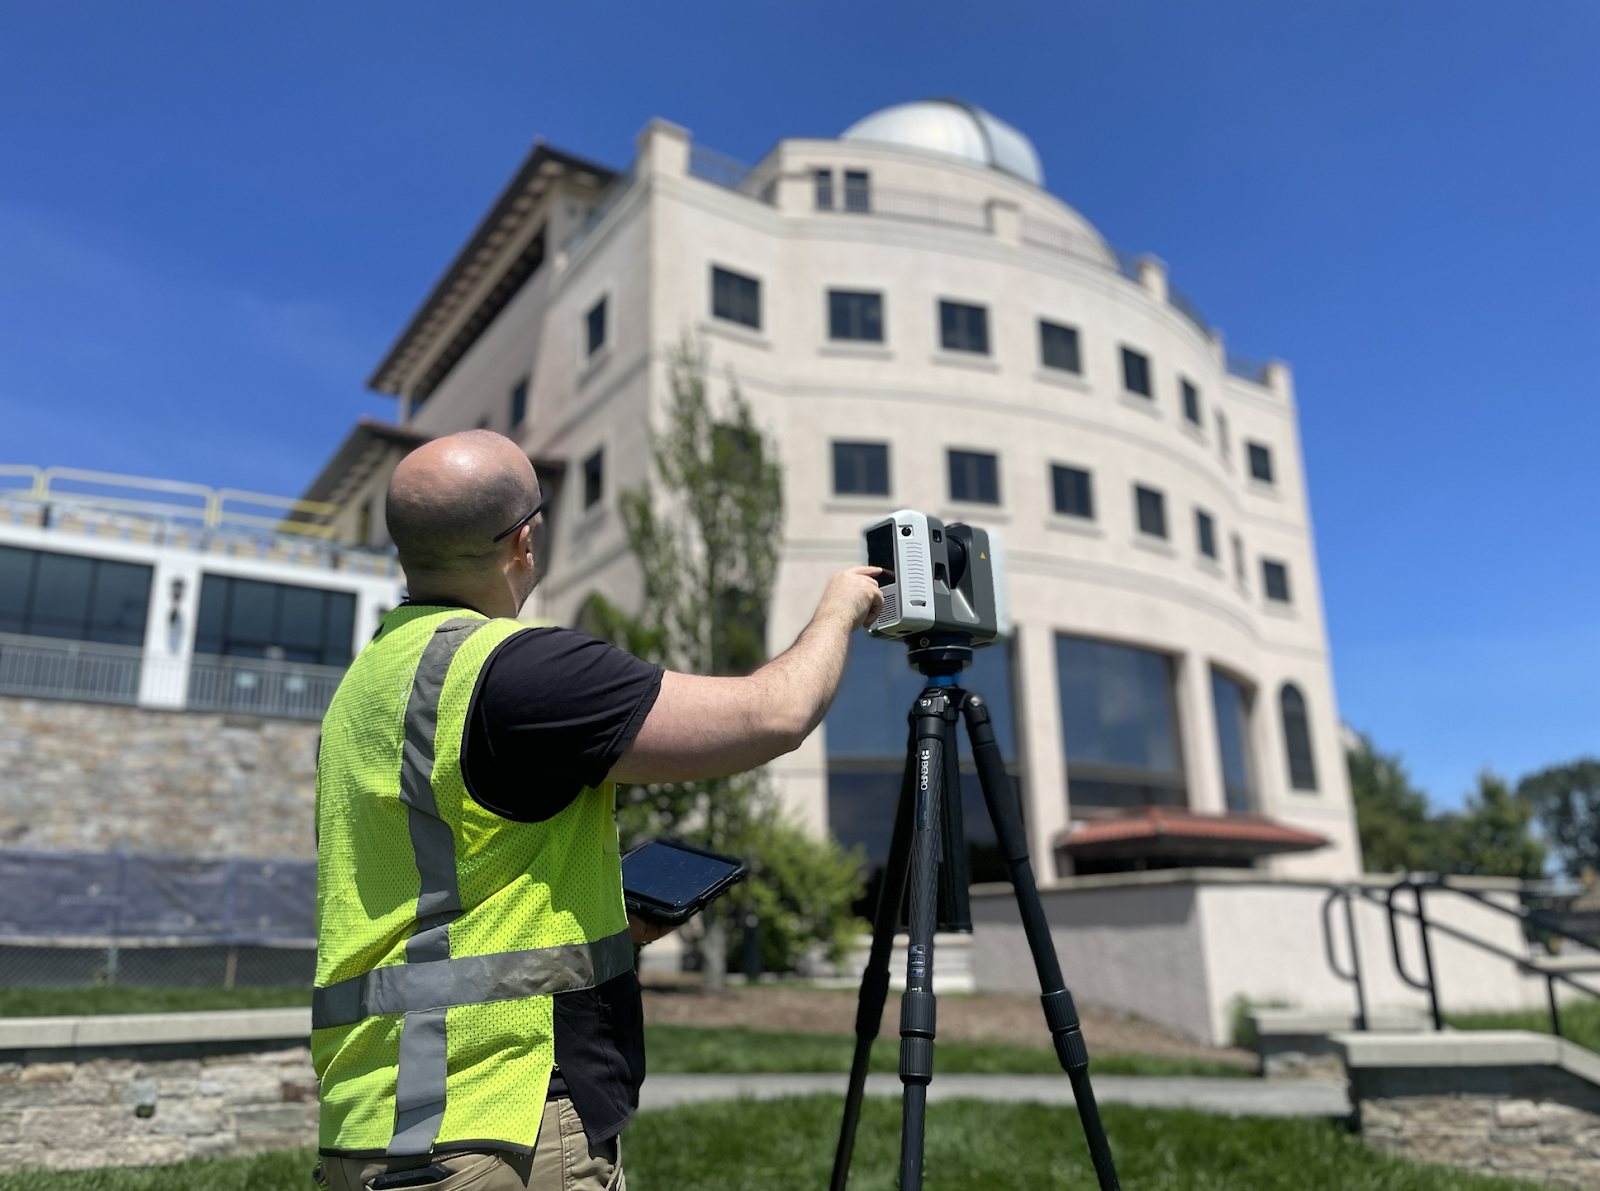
(419,1094)
(471,980)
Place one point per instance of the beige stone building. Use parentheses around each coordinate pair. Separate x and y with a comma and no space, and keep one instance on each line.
(919,322)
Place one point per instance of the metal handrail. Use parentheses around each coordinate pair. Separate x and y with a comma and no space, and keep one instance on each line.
(1354,974)
(197,503)
(1418,883)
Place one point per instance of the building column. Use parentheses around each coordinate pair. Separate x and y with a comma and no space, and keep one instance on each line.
(1038,722)
(169,633)
(663,148)
(1197,729)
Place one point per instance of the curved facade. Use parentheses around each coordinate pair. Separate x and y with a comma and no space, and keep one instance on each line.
(918,327)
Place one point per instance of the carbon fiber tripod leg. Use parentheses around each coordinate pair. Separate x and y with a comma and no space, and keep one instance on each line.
(875,980)
(1059,1012)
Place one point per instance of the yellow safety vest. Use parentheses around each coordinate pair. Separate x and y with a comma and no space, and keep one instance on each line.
(443,929)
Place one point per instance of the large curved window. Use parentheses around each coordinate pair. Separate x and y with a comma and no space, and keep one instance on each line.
(1231,702)
(1118,725)
(866,728)
(1297,738)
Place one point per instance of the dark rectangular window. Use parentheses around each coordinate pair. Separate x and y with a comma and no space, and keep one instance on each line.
(861,468)
(1230,702)
(1074,497)
(824,179)
(1205,532)
(736,298)
(1275,580)
(73,597)
(596,320)
(1191,402)
(1058,347)
(963,328)
(1135,372)
(1119,725)
(1152,510)
(252,619)
(974,477)
(594,477)
(855,316)
(1260,463)
(519,403)
(857,191)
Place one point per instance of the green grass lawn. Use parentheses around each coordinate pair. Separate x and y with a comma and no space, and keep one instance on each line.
(129,998)
(1580,1022)
(739,1051)
(788,1146)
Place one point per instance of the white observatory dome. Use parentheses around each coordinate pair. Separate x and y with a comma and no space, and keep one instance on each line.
(955,129)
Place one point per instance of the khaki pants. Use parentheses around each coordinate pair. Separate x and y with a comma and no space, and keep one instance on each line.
(562,1160)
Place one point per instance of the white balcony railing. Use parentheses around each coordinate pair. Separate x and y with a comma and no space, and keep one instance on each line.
(92,672)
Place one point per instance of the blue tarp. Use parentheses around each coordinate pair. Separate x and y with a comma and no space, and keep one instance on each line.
(110,894)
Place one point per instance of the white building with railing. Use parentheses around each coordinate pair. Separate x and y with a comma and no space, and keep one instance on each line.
(168,596)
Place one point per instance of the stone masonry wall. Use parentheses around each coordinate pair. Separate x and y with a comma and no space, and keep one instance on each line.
(92,777)
(113,1112)
(1541,1141)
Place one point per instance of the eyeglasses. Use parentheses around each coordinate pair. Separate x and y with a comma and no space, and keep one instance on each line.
(544,499)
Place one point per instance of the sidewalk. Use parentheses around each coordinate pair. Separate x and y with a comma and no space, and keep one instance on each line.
(1228,1097)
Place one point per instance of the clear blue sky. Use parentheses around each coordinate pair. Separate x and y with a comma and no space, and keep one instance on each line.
(214,218)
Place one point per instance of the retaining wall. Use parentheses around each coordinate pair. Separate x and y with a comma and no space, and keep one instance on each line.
(93,777)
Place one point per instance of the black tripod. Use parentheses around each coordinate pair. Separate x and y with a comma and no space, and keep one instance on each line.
(929,846)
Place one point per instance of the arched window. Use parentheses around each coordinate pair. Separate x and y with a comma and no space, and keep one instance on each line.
(1297,738)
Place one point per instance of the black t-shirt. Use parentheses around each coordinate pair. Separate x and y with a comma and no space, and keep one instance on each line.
(553,712)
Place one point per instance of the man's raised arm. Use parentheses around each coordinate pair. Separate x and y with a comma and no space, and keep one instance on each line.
(708,727)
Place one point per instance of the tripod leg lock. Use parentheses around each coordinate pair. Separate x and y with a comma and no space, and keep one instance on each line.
(1062,1017)
(918,1014)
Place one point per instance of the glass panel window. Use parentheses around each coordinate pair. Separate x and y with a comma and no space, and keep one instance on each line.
(861,468)
(281,621)
(1058,347)
(595,325)
(866,739)
(1135,372)
(1205,533)
(824,181)
(1074,496)
(1191,402)
(1231,701)
(853,315)
(1275,580)
(1260,463)
(519,403)
(1118,725)
(736,298)
(593,479)
(1297,738)
(857,191)
(974,477)
(73,597)
(963,328)
(1151,507)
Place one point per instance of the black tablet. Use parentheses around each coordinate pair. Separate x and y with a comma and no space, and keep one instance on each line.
(668,882)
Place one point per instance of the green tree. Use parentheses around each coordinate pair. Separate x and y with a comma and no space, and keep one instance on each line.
(706,530)
(1490,837)
(1391,814)
(1566,798)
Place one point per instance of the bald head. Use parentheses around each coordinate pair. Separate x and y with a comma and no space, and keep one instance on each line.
(449,498)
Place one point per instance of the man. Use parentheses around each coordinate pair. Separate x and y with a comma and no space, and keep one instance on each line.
(477,1019)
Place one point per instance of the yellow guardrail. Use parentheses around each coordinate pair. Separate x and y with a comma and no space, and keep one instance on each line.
(169,500)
